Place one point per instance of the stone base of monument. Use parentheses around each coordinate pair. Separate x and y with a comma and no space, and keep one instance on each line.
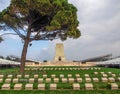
(63,63)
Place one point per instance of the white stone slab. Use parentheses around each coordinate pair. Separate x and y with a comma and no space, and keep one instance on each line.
(41,86)
(18,87)
(53,86)
(88,79)
(76,86)
(114,86)
(40,80)
(79,79)
(31,80)
(89,86)
(56,80)
(6,87)
(8,80)
(15,80)
(64,80)
(29,87)
(71,80)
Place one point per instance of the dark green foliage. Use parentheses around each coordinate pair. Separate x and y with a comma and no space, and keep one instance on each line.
(1,39)
(55,18)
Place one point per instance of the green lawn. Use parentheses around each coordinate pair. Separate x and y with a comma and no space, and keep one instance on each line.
(99,87)
(61,92)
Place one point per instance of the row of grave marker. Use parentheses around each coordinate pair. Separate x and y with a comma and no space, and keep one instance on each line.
(61,75)
(84,68)
(56,80)
(75,86)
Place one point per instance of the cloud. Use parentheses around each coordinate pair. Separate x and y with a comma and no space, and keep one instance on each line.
(9,35)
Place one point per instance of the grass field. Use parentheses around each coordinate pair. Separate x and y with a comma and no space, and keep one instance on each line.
(63,88)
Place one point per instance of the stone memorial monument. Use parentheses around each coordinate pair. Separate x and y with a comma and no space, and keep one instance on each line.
(59,53)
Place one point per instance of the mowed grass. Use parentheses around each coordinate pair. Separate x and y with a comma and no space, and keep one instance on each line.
(60,92)
(66,88)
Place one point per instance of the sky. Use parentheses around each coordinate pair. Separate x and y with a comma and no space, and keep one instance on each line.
(99,26)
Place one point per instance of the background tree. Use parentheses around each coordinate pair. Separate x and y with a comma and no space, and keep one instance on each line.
(40,20)
(1,39)
(2,57)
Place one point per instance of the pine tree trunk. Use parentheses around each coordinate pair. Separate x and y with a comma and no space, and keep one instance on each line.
(24,52)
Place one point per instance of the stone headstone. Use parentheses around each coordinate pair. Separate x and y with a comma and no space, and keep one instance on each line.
(8,80)
(77,75)
(44,76)
(15,80)
(104,79)
(10,76)
(79,79)
(40,80)
(1,80)
(17,86)
(56,80)
(36,76)
(95,80)
(71,80)
(27,76)
(76,86)
(104,75)
(64,80)
(53,75)
(89,86)
(53,86)
(31,80)
(111,79)
(113,75)
(19,76)
(69,75)
(61,76)
(48,80)
(114,86)
(41,86)
(1,76)
(95,73)
(29,87)
(6,87)
(88,79)
(86,75)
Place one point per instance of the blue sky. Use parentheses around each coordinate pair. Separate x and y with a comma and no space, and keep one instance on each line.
(99,25)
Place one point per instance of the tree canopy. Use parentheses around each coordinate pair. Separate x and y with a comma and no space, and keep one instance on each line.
(46,17)
(40,20)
